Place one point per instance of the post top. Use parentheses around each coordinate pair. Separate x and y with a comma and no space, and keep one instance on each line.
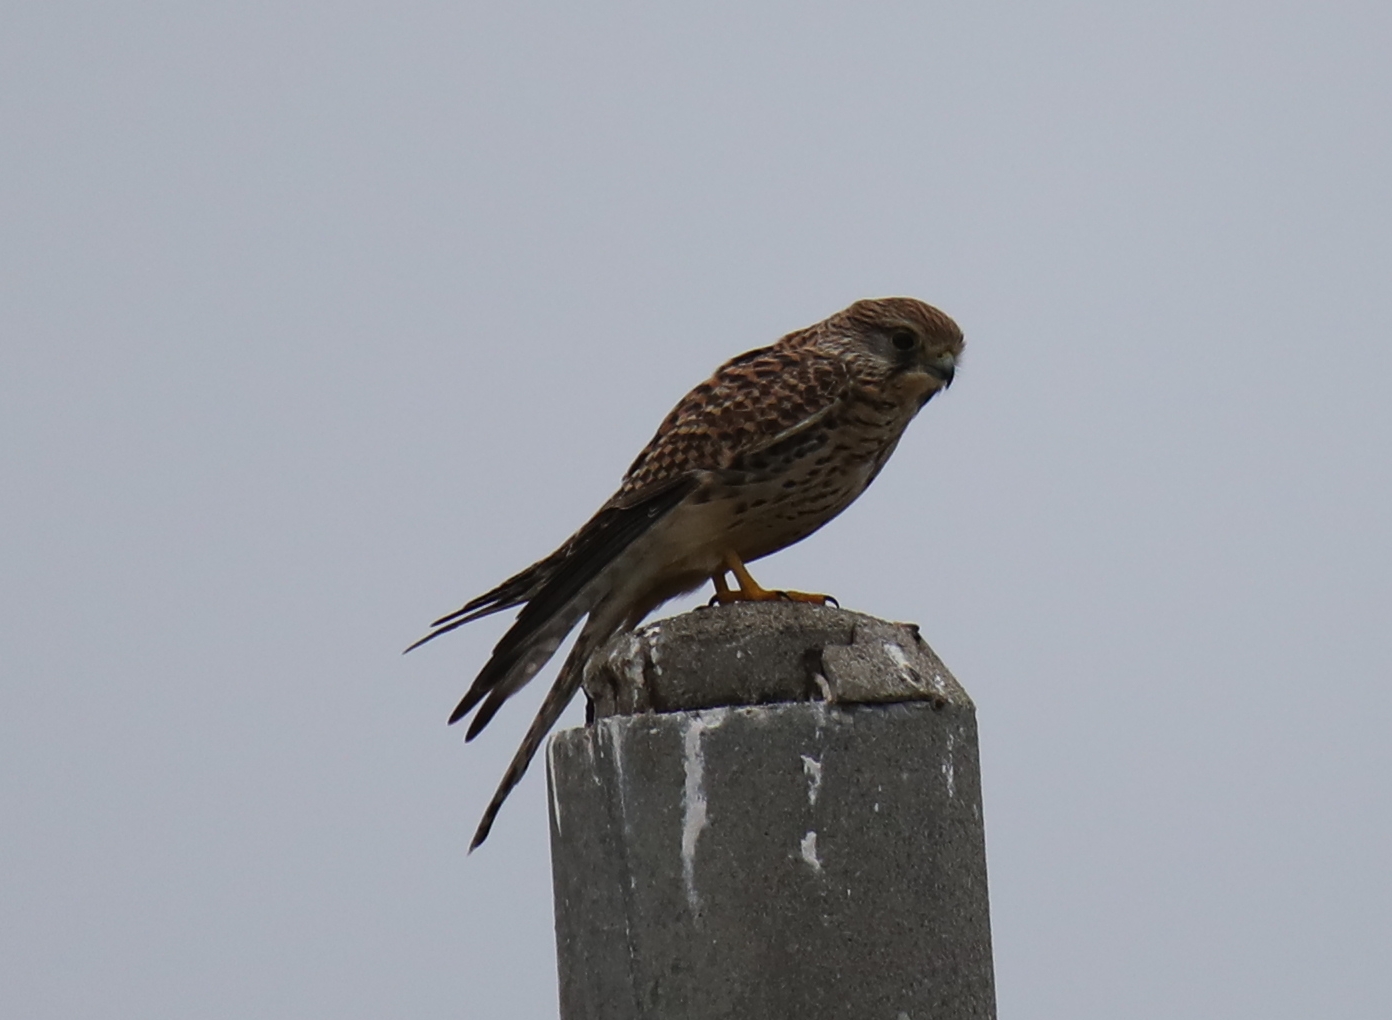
(756,653)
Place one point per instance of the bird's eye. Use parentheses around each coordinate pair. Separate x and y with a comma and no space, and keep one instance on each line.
(903,340)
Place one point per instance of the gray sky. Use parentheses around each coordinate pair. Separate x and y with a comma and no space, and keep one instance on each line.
(318,319)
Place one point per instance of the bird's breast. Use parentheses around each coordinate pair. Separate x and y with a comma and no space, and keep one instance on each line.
(766,499)
(779,495)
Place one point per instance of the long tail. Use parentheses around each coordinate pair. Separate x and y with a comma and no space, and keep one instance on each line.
(512,592)
(592,637)
(557,592)
(554,594)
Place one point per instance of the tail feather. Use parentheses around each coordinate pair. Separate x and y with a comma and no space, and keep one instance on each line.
(592,548)
(549,584)
(567,683)
(558,591)
(512,592)
(554,594)
(514,663)
(486,712)
(527,646)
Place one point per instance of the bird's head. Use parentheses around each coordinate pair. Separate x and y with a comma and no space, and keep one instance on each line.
(898,345)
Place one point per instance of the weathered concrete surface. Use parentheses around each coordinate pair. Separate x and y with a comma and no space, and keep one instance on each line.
(805,859)
(761,653)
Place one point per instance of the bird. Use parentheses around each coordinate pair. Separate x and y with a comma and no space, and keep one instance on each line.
(770,448)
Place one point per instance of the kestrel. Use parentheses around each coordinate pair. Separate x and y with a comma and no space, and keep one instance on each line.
(775,444)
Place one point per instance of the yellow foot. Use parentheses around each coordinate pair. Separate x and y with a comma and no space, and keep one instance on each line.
(724,598)
(749,589)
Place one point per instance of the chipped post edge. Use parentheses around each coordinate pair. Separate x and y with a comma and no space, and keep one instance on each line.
(767,654)
(717,773)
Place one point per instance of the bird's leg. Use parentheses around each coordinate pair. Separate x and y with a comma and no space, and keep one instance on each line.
(723,593)
(750,591)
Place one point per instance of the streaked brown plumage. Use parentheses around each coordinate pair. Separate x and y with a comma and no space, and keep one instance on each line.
(775,444)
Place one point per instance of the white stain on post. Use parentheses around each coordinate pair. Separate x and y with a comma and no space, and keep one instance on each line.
(911,675)
(628,659)
(949,768)
(694,811)
(897,654)
(554,793)
(612,727)
(653,655)
(809,851)
(812,769)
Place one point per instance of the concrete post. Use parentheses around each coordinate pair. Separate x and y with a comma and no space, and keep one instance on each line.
(776,813)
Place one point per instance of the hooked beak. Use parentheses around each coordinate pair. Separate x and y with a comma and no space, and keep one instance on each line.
(944,367)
